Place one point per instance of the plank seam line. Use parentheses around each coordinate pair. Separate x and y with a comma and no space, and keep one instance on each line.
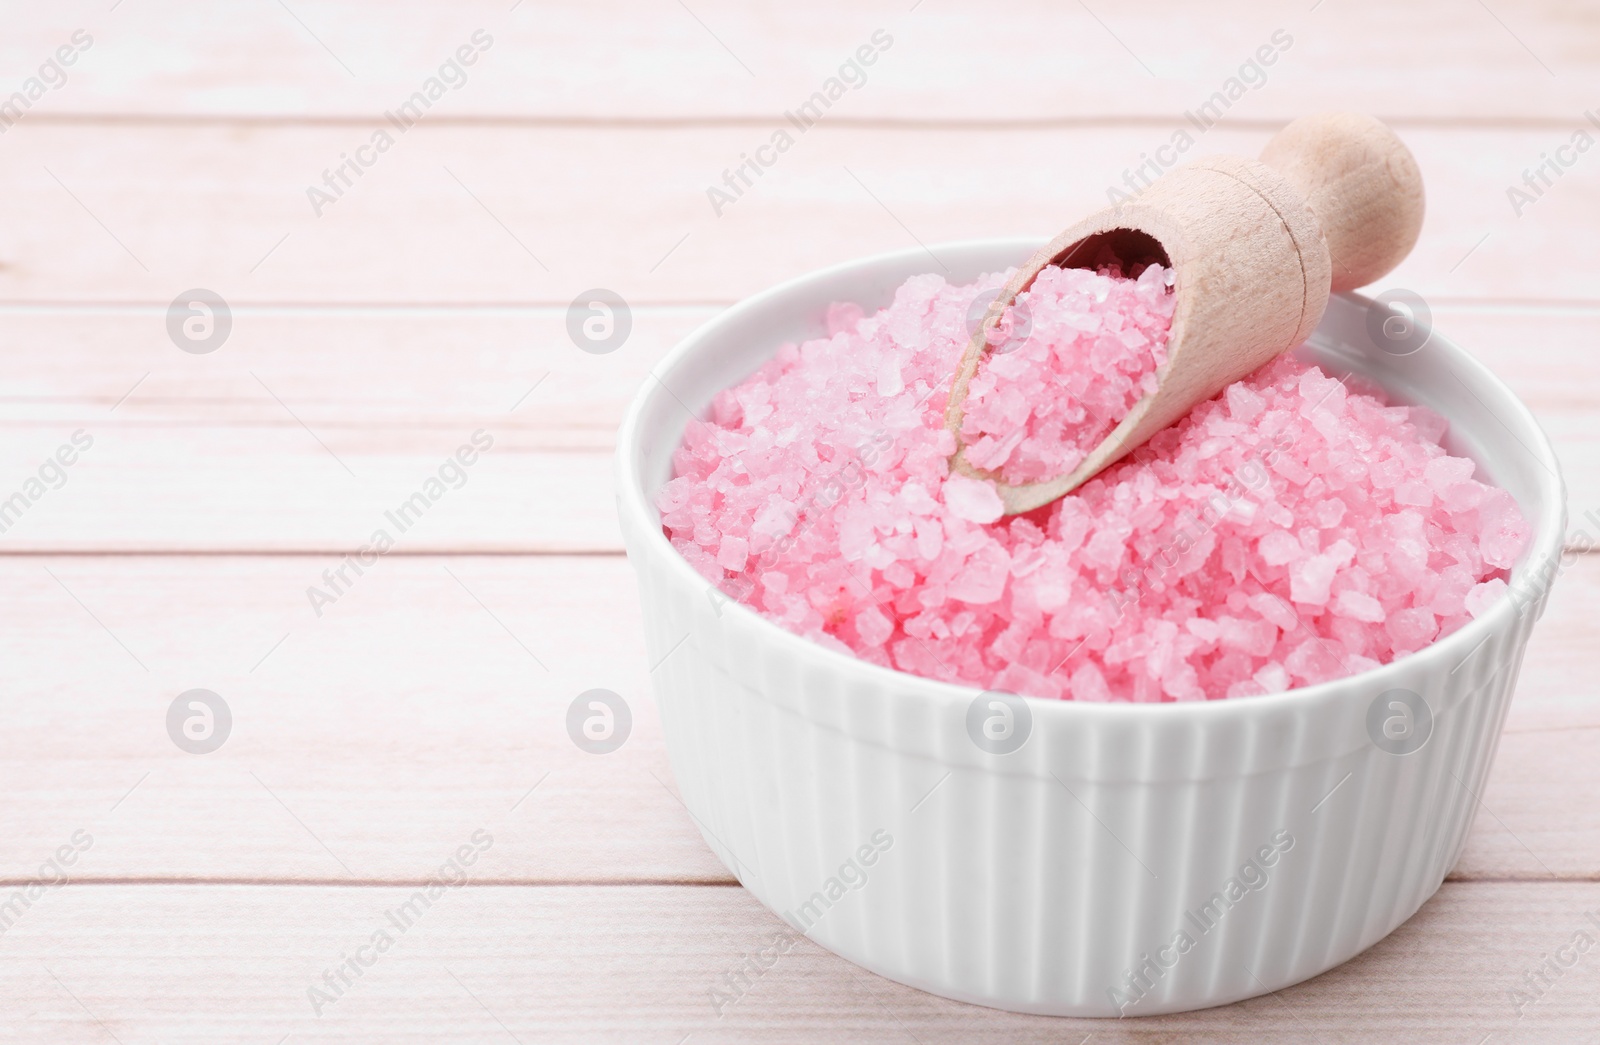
(1478,124)
(73,307)
(1511,879)
(597,883)
(414,553)
(312,553)
(70,307)
(383,883)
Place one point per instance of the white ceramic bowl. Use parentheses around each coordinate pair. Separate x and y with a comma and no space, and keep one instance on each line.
(1272,833)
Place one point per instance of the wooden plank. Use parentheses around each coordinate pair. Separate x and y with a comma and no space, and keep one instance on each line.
(276,488)
(407,713)
(306,427)
(187,964)
(391,369)
(633,58)
(468,214)
(368,739)
(425,704)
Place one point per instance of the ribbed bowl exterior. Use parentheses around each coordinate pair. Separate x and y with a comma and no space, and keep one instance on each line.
(1124,860)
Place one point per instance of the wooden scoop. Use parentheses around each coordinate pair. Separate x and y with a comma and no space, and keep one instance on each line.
(1334,203)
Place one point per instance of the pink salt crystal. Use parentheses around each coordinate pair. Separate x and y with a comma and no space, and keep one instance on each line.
(1484,595)
(1033,411)
(1289,531)
(1450,591)
(733,553)
(1327,514)
(1358,606)
(1272,678)
(983,577)
(1503,531)
(1279,547)
(1243,404)
(873,627)
(1274,610)
(1411,629)
(972,499)
(1089,684)
(1310,579)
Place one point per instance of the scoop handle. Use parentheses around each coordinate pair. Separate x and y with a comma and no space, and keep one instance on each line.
(1362,185)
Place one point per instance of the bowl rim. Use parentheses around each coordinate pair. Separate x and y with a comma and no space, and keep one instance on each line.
(1547,539)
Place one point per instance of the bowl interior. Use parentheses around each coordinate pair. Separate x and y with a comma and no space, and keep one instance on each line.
(734,345)
(1487,422)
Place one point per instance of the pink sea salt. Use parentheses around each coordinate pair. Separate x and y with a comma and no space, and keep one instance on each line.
(972,499)
(1293,529)
(1037,405)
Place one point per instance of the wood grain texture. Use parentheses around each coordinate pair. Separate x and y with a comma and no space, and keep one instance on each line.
(447,214)
(368,740)
(637,59)
(1362,184)
(187,964)
(424,304)
(425,702)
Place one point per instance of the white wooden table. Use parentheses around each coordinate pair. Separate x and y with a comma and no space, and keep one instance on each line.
(429,299)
